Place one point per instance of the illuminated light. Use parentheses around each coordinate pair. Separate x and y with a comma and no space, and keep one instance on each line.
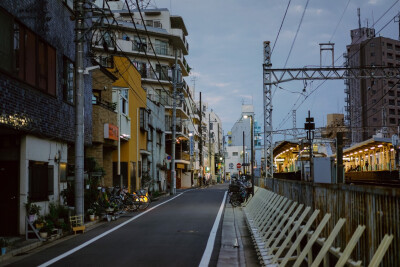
(380,146)
(351,153)
(366,149)
(291,148)
(392,149)
(360,151)
(372,147)
(355,152)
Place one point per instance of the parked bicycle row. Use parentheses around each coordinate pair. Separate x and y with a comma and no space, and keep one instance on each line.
(239,190)
(114,201)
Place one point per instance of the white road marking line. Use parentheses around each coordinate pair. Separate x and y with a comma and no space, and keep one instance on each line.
(102,235)
(205,260)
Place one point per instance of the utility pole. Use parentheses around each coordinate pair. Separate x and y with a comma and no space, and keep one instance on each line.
(173,172)
(79,106)
(267,102)
(244,157)
(398,20)
(201,141)
(252,154)
(209,142)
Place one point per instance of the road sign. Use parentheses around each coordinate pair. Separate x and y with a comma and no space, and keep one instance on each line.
(238,165)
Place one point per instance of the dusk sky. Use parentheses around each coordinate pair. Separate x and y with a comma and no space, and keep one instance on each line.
(226,51)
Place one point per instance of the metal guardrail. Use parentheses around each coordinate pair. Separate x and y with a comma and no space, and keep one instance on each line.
(275,221)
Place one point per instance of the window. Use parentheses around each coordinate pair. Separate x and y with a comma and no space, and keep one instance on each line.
(161,47)
(144,119)
(372,44)
(124,100)
(389,46)
(41,183)
(162,72)
(142,68)
(6,32)
(392,111)
(68,81)
(391,93)
(139,44)
(235,154)
(392,120)
(374,119)
(389,55)
(372,54)
(391,102)
(107,62)
(26,56)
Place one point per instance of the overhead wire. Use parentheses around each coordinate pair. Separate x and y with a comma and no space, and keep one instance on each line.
(362,45)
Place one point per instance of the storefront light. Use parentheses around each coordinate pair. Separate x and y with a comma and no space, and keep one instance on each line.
(380,145)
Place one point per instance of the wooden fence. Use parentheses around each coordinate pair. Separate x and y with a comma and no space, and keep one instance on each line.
(378,208)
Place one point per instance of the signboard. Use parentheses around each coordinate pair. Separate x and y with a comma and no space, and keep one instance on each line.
(230,165)
(238,165)
(169,158)
(110,132)
(191,147)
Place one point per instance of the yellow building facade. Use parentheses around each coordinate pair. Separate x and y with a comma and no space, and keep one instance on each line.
(132,106)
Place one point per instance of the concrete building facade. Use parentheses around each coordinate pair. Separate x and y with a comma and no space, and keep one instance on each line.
(37,121)
(372,104)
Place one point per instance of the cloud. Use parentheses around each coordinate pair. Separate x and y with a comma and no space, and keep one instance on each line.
(220,85)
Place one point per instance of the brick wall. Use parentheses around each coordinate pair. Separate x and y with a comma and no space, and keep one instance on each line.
(27,109)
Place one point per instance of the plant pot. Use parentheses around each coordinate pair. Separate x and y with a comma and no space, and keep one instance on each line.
(91,216)
(39,225)
(3,250)
(43,235)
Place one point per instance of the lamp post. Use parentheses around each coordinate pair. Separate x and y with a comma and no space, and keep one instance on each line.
(252,154)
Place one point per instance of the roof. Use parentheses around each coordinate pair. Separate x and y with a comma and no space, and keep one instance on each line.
(369,142)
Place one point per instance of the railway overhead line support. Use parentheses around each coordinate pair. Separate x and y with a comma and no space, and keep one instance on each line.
(275,76)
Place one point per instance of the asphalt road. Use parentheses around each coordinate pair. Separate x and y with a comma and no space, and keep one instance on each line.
(175,233)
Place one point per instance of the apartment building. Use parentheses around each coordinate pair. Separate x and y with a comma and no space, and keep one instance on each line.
(152,40)
(372,104)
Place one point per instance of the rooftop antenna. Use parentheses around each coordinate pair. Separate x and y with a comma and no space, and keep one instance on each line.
(359,18)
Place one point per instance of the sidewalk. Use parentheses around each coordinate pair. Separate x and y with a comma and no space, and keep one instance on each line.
(236,245)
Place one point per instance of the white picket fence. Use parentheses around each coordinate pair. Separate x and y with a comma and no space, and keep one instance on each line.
(278,226)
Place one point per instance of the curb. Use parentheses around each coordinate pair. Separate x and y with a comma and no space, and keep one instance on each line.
(35,244)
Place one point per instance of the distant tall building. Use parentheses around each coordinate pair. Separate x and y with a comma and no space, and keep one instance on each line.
(371,105)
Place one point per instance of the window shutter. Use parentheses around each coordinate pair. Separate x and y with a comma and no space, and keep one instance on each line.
(50,179)
(51,70)
(6,27)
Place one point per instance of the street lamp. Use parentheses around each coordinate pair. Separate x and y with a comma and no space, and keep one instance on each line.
(252,153)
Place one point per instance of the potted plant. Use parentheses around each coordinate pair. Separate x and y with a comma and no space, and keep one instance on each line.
(46,230)
(39,223)
(3,245)
(90,212)
(32,210)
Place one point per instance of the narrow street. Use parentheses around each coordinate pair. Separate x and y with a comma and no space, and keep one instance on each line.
(172,232)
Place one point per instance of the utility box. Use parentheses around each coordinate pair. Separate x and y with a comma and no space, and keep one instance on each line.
(322,168)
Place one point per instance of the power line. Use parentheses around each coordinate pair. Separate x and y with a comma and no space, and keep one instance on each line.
(284,16)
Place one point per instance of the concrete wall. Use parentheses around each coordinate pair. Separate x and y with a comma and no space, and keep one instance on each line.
(36,149)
